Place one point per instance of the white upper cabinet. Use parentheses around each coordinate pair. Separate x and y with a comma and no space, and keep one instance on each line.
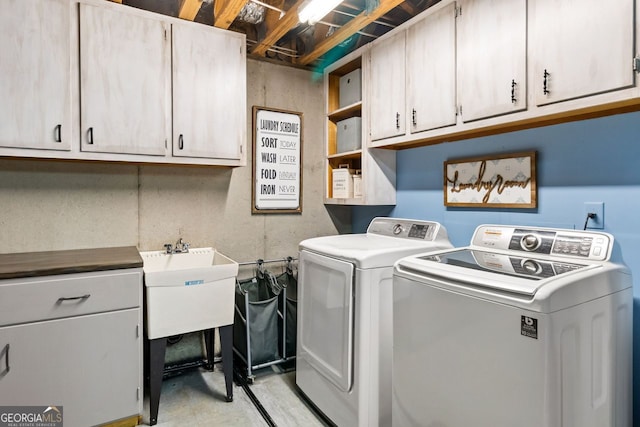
(481,67)
(125,82)
(35,74)
(492,49)
(92,80)
(388,87)
(209,93)
(431,71)
(580,47)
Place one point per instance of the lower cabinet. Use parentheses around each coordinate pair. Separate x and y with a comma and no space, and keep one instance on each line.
(82,364)
(73,341)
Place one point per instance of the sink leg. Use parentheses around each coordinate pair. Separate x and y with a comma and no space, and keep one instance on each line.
(209,343)
(226,344)
(157,348)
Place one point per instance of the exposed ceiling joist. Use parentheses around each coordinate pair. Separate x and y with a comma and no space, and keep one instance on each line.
(273,30)
(189,9)
(226,11)
(347,30)
(272,16)
(409,8)
(288,22)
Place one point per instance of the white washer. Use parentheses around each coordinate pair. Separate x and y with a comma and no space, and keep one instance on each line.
(527,327)
(343,361)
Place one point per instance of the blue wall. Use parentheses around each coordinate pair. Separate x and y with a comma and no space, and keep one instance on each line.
(590,161)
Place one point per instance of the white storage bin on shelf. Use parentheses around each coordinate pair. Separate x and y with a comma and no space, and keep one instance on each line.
(349,134)
(350,88)
(343,182)
(357,184)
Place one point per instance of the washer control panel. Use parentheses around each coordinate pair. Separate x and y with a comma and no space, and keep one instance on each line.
(538,241)
(567,243)
(405,228)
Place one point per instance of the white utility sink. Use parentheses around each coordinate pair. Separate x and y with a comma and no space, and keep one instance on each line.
(187,292)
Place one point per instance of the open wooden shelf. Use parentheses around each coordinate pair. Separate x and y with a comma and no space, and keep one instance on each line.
(353,110)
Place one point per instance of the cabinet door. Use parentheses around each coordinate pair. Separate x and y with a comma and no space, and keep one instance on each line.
(492,53)
(388,87)
(35,74)
(580,47)
(209,93)
(431,71)
(125,80)
(89,365)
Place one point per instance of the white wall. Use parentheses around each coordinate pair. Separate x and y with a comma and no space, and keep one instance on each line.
(46,205)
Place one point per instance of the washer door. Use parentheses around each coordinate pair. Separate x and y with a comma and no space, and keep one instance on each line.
(325,318)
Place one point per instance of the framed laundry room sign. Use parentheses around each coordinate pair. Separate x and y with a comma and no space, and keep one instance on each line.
(500,181)
(277,161)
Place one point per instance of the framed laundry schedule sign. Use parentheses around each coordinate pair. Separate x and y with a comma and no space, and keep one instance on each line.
(277,161)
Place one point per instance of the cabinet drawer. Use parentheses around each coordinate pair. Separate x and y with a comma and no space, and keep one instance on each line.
(52,297)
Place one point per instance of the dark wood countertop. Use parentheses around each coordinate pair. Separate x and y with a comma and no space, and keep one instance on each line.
(34,264)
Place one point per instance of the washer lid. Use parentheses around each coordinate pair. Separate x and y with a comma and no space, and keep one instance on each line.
(504,273)
(370,250)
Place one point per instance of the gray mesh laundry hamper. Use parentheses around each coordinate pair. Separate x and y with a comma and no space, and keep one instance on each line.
(255,331)
(265,318)
(289,281)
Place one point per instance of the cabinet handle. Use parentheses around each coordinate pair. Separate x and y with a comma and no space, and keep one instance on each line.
(6,358)
(513,92)
(180,142)
(413,117)
(57,133)
(545,90)
(398,121)
(81,297)
(90,136)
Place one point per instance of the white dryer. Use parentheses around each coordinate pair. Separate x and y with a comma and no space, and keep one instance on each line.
(343,360)
(527,327)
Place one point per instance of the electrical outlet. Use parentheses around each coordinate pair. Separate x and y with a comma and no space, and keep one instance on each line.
(598,209)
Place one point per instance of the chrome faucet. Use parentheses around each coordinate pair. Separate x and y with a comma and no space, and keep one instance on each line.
(180,247)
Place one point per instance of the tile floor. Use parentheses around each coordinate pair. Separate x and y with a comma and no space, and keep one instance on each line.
(196,398)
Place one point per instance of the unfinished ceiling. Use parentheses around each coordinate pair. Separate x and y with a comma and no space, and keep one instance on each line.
(273,31)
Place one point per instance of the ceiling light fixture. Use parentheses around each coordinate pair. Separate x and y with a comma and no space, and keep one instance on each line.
(312,11)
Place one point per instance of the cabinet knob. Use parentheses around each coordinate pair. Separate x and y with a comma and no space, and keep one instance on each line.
(90,136)
(513,92)
(413,117)
(398,121)
(57,133)
(180,142)
(545,84)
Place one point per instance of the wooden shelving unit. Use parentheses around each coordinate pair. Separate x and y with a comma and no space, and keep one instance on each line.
(377,170)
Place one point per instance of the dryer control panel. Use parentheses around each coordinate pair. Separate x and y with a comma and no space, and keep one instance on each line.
(407,228)
(547,241)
